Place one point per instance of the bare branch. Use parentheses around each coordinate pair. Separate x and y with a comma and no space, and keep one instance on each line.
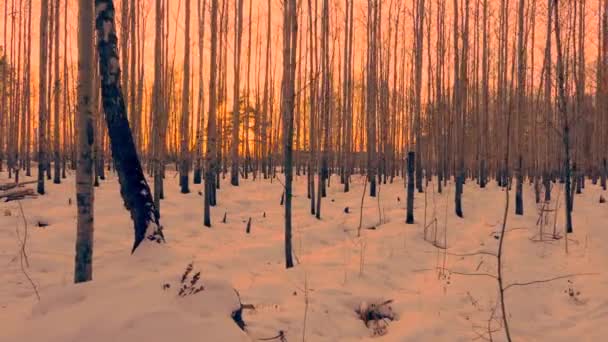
(542,281)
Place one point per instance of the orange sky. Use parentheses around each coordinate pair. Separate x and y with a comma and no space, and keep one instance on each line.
(259,14)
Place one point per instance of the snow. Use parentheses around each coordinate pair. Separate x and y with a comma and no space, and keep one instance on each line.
(335,273)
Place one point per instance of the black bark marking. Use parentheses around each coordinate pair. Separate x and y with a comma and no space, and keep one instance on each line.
(133,186)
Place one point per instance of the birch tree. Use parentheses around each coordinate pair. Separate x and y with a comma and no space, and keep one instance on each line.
(42,87)
(84,173)
(290,33)
(134,188)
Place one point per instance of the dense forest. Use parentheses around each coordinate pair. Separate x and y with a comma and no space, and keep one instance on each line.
(437,97)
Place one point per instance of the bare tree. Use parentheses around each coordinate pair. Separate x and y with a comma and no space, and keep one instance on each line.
(561,104)
(42,105)
(418,53)
(236,112)
(521,74)
(325,106)
(348,92)
(290,33)
(124,43)
(201,9)
(485,99)
(371,95)
(158,106)
(548,100)
(132,64)
(211,154)
(185,143)
(84,173)
(603,93)
(458,113)
(56,96)
(133,185)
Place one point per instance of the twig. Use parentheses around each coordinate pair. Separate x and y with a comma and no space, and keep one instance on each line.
(23,255)
(501,241)
(361,211)
(280,336)
(490,331)
(549,280)
(24,242)
(508,230)
(474,274)
(463,255)
(305,307)
(472,254)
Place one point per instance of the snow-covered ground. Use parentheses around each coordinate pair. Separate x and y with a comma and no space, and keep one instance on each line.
(336,271)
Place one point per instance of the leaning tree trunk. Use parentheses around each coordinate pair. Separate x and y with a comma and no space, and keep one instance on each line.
(83,269)
(133,186)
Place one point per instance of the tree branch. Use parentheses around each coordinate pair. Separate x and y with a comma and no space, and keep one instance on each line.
(549,280)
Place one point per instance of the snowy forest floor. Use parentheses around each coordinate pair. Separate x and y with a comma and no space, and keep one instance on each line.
(335,271)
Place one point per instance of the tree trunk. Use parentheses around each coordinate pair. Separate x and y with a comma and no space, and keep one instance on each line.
(135,115)
(411,160)
(211,155)
(521,74)
(201,9)
(56,96)
(133,186)
(325,104)
(234,151)
(604,174)
(290,32)
(371,96)
(65,108)
(565,120)
(419,41)
(83,270)
(28,90)
(185,143)
(42,105)
(485,99)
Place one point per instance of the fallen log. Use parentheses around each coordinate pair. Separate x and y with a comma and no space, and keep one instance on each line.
(9,186)
(17,194)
